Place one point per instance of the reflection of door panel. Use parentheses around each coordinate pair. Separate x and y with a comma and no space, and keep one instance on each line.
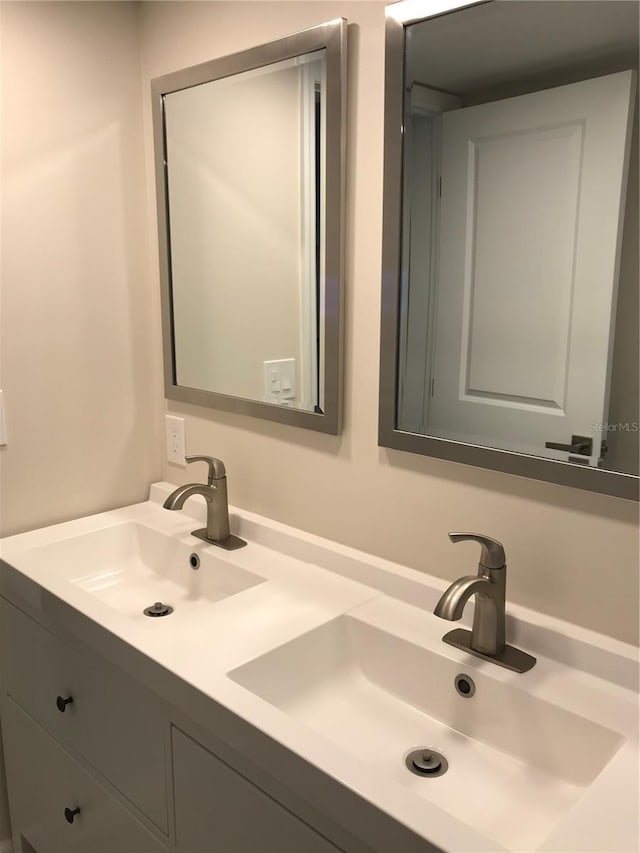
(532,194)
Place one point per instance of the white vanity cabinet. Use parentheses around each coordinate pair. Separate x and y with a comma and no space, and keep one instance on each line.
(91,707)
(80,733)
(219,811)
(56,804)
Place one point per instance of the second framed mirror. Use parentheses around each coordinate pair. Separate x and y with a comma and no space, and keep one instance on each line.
(510,268)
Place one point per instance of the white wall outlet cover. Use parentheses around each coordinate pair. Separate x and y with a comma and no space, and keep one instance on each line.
(176,447)
(3,422)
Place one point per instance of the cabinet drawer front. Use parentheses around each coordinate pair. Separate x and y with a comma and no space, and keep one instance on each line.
(113,722)
(45,780)
(220,811)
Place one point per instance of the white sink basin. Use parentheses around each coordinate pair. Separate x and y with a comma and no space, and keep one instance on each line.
(517,763)
(129,567)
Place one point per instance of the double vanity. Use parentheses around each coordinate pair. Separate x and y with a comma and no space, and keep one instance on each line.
(291,695)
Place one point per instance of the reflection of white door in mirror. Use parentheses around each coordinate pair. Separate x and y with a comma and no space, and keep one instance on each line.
(529,245)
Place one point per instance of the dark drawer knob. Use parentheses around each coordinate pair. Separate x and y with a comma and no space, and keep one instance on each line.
(61,703)
(69,814)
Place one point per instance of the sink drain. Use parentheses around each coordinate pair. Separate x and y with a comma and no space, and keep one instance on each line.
(465,685)
(425,761)
(158,609)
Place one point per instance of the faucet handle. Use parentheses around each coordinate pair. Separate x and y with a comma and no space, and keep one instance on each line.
(492,556)
(216,466)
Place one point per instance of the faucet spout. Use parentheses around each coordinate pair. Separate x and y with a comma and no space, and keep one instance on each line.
(452,602)
(177,498)
(217,529)
(488,631)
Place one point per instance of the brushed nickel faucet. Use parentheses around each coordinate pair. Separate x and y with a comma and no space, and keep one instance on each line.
(487,637)
(215,493)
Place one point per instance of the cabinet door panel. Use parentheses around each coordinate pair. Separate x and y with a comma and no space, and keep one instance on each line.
(113,722)
(45,780)
(219,811)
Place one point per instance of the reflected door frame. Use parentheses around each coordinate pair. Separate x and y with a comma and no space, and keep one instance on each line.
(422,134)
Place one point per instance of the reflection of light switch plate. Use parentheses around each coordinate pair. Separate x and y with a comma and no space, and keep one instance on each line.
(280,381)
(3,422)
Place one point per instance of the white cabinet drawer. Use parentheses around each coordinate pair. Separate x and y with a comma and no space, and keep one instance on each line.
(46,781)
(219,811)
(113,722)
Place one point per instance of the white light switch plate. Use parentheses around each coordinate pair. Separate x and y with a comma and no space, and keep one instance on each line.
(280,381)
(176,449)
(3,422)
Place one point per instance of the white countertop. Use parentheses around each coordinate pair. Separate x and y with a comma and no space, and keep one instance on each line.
(310,582)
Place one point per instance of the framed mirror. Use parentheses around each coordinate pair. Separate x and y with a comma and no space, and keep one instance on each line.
(509,332)
(249,156)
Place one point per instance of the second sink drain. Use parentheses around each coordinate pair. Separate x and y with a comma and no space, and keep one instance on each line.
(425,761)
(158,609)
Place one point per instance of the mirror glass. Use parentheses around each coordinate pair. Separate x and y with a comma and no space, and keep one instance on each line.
(246,189)
(517,313)
(244,170)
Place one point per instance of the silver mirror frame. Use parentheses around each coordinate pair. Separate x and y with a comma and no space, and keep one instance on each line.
(620,485)
(332,36)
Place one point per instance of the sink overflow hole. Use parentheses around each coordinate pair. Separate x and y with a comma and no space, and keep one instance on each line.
(158,609)
(425,761)
(465,685)
(194,561)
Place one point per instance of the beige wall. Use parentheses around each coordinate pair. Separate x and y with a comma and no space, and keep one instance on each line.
(234,172)
(571,554)
(79,364)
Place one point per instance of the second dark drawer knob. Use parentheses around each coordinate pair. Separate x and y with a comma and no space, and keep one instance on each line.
(61,703)
(71,813)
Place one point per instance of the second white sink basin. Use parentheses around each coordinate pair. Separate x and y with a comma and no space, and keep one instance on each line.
(517,763)
(130,566)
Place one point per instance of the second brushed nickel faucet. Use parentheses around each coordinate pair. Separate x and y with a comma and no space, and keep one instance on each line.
(487,636)
(215,493)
